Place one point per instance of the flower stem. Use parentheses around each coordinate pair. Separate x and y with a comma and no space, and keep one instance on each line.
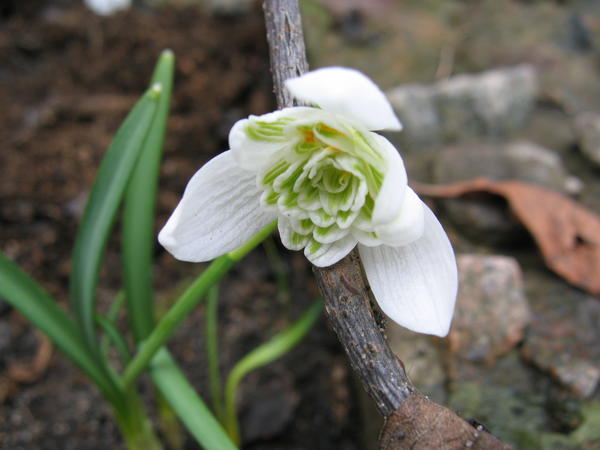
(186,303)
(212,350)
(135,425)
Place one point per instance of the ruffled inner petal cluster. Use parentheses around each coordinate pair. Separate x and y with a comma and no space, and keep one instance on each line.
(324,178)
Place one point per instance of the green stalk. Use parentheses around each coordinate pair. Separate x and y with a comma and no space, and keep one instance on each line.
(212,350)
(186,303)
(276,347)
(135,425)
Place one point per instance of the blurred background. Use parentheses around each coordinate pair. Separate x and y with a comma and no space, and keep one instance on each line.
(504,89)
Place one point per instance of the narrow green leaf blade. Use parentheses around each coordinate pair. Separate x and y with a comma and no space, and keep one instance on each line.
(138,214)
(276,347)
(186,403)
(24,294)
(102,206)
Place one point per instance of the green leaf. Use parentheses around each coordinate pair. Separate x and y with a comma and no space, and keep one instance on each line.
(276,347)
(114,336)
(186,403)
(138,214)
(101,210)
(24,294)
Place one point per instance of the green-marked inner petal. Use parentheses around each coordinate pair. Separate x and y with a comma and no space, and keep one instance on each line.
(324,182)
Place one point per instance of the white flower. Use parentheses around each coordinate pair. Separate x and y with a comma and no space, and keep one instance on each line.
(331,183)
(107,7)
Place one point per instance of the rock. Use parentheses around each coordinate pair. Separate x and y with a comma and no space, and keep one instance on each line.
(563,336)
(516,160)
(516,417)
(492,104)
(491,309)
(588,131)
(421,358)
(550,128)
(486,217)
(418,113)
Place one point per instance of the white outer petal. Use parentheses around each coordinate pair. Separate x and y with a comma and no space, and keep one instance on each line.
(408,226)
(219,211)
(391,195)
(347,92)
(329,254)
(107,7)
(415,285)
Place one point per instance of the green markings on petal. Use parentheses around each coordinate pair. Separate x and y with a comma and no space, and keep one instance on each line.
(335,180)
(313,247)
(321,219)
(307,225)
(368,207)
(289,201)
(268,131)
(373,177)
(298,240)
(286,181)
(308,199)
(345,219)
(330,234)
(269,198)
(279,168)
(365,149)
(327,131)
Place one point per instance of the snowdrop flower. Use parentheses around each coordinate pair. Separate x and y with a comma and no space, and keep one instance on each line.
(107,7)
(331,183)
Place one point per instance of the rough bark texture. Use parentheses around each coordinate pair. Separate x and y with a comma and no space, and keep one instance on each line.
(412,421)
(347,304)
(286,45)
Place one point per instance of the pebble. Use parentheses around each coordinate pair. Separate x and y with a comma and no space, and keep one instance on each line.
(495,103)
(491,309)
(587,126)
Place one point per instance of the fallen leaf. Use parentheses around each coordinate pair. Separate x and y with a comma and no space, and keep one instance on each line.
(421,424)
(567,233)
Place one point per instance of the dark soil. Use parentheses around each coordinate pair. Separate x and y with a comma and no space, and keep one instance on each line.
(67,79)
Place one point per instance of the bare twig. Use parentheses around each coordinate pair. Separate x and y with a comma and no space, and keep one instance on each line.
(412,421)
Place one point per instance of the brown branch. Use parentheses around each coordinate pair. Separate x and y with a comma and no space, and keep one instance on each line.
(412,421)
(286,45)
(347,305)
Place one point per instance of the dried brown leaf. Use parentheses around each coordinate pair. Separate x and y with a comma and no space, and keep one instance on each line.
(421,424)
(567,233)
